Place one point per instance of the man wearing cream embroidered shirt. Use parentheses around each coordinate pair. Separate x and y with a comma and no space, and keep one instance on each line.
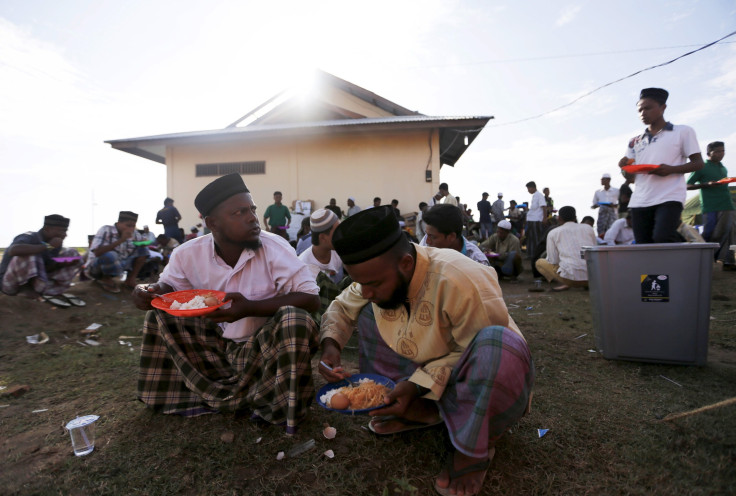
(657,202)
(440,320)
(258,357)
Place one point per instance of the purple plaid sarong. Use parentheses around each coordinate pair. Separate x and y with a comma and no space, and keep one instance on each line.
(31,268)
(188,368)
(489,388)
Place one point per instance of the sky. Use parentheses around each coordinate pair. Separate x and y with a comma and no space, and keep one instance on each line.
(76,73)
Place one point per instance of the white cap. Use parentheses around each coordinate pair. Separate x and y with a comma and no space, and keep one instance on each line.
(606,176)
(351,198)
(504,224)
(500,195)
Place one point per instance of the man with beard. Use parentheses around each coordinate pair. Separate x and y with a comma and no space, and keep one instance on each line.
(258,357)
(437,318)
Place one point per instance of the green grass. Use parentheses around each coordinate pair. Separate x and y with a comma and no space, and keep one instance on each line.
(605,436)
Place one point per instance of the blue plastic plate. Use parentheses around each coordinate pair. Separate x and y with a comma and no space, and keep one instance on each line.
(378,379)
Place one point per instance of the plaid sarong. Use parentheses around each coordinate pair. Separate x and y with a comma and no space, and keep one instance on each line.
(25,268)
(606,216)
(188,368)
(489,388)
(328,291)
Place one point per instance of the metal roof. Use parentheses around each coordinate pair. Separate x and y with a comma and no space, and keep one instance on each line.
(453,131)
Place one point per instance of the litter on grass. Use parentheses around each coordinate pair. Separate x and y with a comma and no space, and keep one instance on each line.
(40,338)
(330,454)
(280,455)
(542,432)
(301,448)
(92,342)
(668,379)
(41,410)
(582,336)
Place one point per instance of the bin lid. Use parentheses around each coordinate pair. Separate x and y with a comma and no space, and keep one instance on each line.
(653,247)
(81,421)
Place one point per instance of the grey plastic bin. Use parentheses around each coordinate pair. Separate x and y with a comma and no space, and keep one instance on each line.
(651,303)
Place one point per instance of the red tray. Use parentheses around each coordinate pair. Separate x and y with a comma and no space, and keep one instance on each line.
(639,168)
(727,180)
(183,297)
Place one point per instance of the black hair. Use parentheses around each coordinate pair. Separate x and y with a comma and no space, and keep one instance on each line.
(422,205)
(531,184)
(394,202)
(714,145)
(377,199)
(277,193)
(588,218)
(444,186)
(445,218)
(567,213)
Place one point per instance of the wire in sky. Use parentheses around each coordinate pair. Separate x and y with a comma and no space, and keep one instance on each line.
(614,82)
(555,57)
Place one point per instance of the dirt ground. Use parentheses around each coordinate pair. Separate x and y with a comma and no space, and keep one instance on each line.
(605,434)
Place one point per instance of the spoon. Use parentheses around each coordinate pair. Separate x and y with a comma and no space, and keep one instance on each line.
(351,383)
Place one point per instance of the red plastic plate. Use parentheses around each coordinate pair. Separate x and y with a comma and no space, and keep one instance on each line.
(185,296)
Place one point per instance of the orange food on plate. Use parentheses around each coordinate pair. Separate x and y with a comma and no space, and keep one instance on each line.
(639,168)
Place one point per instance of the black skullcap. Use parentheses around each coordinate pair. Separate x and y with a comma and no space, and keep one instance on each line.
(657,94)
(55,220)
(127,215)
(218,191)
(366,235)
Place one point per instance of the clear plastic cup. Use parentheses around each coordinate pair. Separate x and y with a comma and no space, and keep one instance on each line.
(82,432)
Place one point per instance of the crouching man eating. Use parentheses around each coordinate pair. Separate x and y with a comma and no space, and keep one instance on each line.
(258,357)
(442,330)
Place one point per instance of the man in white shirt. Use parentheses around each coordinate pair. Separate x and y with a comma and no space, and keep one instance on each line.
(259,356)
(606,199)
(563,262)
(421,226)
(656,204)
(321,257)
(620,232)
(352,207)
(534,226)
(447,198)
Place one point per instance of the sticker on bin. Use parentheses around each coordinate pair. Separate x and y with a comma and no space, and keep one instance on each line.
(655,288)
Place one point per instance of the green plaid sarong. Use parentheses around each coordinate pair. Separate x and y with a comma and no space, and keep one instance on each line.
(188,368)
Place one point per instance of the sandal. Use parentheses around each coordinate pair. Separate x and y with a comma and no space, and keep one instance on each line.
(74,300)
(405,425)
(449,465)
(56,301)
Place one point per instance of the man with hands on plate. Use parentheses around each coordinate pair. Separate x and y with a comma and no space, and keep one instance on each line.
(251,354)
(29,267)
(656,204)
(435,322)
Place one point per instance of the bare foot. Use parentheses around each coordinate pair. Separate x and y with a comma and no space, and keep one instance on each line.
(28,293)
(563,287)
(466,484)
(421,413)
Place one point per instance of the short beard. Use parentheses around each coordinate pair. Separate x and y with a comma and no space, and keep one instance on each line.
(252,245)
(398,298)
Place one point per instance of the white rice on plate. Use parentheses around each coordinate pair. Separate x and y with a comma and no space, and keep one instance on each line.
(194,303)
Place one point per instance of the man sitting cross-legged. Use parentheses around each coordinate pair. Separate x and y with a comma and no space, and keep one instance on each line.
(37,265)
(441,321)
(258,357)
(563,262)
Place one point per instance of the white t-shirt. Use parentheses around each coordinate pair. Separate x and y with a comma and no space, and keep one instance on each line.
(673,145)
(604,195)
(332,269)
(536,211)
(619,234)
